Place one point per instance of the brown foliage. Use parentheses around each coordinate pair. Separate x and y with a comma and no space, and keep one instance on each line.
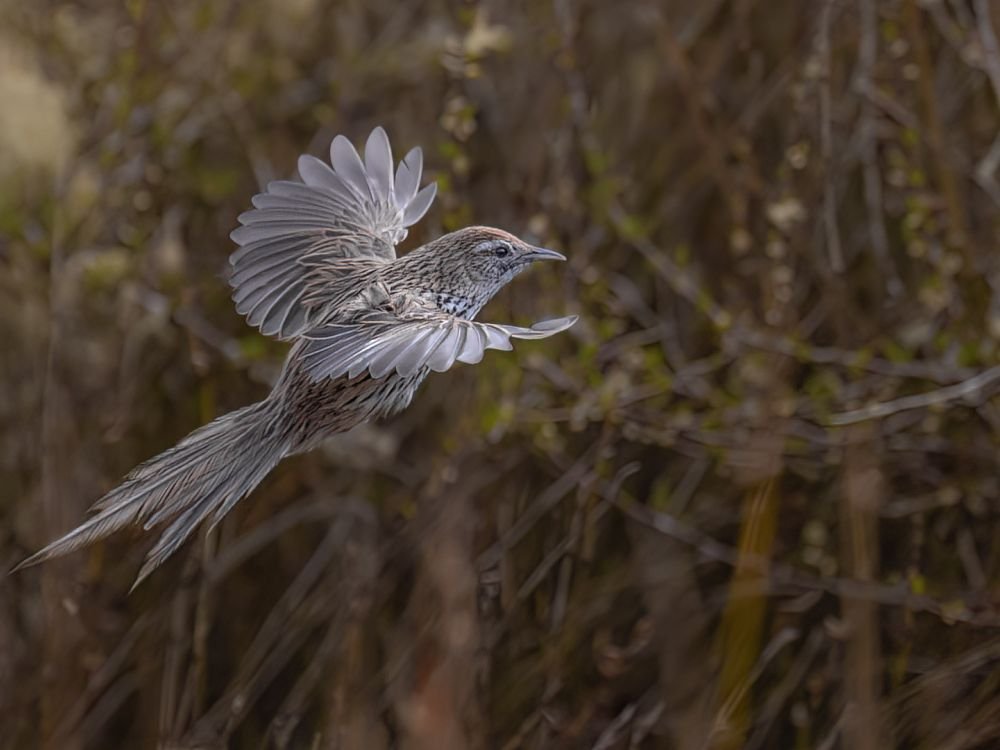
(751,500)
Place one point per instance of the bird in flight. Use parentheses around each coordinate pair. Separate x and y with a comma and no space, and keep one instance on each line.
(317,266)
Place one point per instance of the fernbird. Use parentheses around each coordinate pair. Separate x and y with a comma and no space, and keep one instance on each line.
(317,266)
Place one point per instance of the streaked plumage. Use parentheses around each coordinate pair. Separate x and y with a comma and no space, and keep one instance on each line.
(317,266)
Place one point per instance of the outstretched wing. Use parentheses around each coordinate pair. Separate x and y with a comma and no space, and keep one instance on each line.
(353,210)
(382,343)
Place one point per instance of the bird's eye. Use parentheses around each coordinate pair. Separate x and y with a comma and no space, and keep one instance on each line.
(502,250)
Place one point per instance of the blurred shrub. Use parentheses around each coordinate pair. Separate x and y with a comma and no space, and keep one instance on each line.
(750,501)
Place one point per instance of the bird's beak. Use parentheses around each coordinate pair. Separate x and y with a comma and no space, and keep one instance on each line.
(542,253)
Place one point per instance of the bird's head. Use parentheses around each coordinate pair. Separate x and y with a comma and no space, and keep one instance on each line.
(477,262)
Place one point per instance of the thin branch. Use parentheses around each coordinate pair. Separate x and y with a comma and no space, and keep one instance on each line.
(986,169)
(966,388)
(777,577)
(833,245)
(867,56)
(991,48)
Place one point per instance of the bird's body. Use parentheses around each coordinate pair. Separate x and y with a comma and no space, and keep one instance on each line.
(317,266)
(410,286)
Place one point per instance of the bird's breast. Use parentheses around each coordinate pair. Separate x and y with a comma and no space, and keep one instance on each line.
(453,303)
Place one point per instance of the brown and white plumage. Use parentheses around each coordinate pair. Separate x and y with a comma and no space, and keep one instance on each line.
(317,265)
(296,230)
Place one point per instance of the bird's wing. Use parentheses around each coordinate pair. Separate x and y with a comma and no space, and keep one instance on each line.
(382,343)
(352,210)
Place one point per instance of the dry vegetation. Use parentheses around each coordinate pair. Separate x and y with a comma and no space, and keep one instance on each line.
(751,500)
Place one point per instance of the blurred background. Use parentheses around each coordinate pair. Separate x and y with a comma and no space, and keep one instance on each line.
(749,500)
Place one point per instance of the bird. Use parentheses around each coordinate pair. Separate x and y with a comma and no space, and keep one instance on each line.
(316,265)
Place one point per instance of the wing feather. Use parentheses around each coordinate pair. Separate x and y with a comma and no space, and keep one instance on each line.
(260,314)
(475,346)
(496,338)
(266,275)
(261,265)
(297,230)
(347,164)
(378,164)
(251,293)
(418,206)
(263,249)
(382,343)
(445,353)
(408,176)
(315,173)
(281,308)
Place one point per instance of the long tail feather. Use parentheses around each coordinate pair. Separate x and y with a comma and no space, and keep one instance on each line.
(206,473)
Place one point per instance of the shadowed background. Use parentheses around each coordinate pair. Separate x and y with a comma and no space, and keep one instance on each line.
(750,500)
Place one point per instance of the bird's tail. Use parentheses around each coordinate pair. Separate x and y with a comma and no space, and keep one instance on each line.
(205,474)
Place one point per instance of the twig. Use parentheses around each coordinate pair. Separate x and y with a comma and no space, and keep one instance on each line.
(987,167)
(113,668)
(275,641)
(991,48)
(685,284)
(940,396)
(779,575)
(957,230)
(833,246)
(60,655)
(867,55)
(617,730)
(545,502)
(778,697)
(729,707)
(259,537)
(608,491)
(862,491)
